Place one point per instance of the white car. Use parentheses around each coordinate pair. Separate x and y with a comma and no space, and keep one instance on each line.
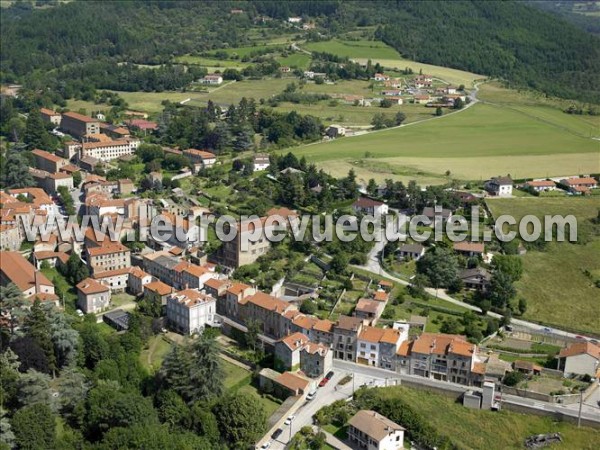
(311,395)
(288,421)
(266,445)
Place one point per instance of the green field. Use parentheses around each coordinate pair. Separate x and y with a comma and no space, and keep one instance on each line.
(354,49)
(476,429)
(211,62)
(299,60)
(477,143)
(153,355)
(557,290)
(76,105)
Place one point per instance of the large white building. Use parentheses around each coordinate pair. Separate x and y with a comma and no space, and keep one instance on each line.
(190,310)
(109,150)
(580,358)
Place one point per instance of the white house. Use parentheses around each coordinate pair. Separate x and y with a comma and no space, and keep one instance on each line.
(260,162)
(580,358)
(213,78)
(370,430)
(294,19)
(190,310)
(365,205)
(499,186)
(411,251)
(381,77)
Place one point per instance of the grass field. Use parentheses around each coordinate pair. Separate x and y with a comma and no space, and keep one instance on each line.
(469,428)
(354,49)
(557,290)
(76,105)
(153,356)
(477,143)
(300,60)
(210,62)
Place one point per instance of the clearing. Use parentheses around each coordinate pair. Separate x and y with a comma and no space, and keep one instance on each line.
(555,283)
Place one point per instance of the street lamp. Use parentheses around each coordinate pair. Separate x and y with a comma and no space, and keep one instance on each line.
(291,425)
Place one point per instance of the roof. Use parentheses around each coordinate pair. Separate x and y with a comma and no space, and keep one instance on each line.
(268,302)
(386,283)
(292,381)
(41,255)
(201,153)
(373,424)
(365,202)
(49,112)
(324,325)
(526,365)
(237,288)
(138,272)
(502,181)
(46,155)
(429,211)
(348,323)
(368,306)
(541,183)
(479,368)
(442,344)
(215,283)
(80,117)
(90,286)
(381,296)
(376,335)
(304,322)
(21,272)
(466,246)
(107,249)
(191,297)
(295,341)
(411,248)
(580,348)
(582,180)
(159,288)
(111,143)
(111,273)
(476,272)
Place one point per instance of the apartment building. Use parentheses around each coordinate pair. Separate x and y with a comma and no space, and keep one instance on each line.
(296,352)
(268,311)
(79,125)
(92,296)
(50,116)
(235,293)
(317,330)
(439,356)
(109,150)
(378,346)
(287,352)
(345,334)
(190,310)
(108,256)
(316,359)
(369,310)
(48,161)
(157,292)
(201,158)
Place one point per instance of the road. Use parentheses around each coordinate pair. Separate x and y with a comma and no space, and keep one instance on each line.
(374,266)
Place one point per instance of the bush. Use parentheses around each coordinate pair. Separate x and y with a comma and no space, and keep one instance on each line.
(513,378)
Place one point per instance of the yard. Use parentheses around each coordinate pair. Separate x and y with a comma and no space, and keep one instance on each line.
(559,271)
(238,379)
(155,352)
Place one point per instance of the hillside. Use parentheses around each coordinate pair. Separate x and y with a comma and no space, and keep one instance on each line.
(508,40)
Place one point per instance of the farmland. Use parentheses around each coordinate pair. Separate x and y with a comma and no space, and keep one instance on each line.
(354,49)
(477,143)
(561,268)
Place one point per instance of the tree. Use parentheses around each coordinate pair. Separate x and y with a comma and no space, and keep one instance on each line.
(522,305)
(385,103)
(12,304)
(372,187)
(439,111)
(33,388)
(172,410)
(75,270)
(7,437)
(510,265)
(339,263)
(254,327)
(9,374)
(513,378)
(38,328)
(36,135)
(15,172)
(241,419)
(458,103)
(440,266)
(64,338)
(308,307)
(194,370)
(34,427)
(451,326)
(379,122)
(501,289)
(152,437)
(400,117)
(77,178)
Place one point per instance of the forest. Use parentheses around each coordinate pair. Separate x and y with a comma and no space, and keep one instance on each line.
(524,45)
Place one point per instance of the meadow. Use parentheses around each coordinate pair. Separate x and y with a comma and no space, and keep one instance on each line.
(354,49)
(554,282)
(469,428)
(477,143)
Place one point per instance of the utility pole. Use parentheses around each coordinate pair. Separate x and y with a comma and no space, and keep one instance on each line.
(580,407)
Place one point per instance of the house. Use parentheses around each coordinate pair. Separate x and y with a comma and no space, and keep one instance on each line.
(316,359)
(345,333)
(370,430)
(117,279)
(212,79)
(391,92)
(499,186)
(53,259)
(287,352)
(235,293)
(579,185)
(410,252)
(294,19)
(334,131)
(285,69)
(541,185)
(469,249)
(381,77)
(10,240)
(118,319)
(92,296)
(260,161)
(369,310)
(267,310)
(445,357)
(142,125)
(137,280)
(48,161)
(157,291)
(190,311)
(201,158)
(435,214)
(50,116)
(368,206)
(580,358)
(477,278)
(378,346)
(527,367)
(421,99)
(423,81)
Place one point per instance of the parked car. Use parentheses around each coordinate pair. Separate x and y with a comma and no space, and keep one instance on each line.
(288,421)
(329,375)
(266,445)
(323,382)
(311,395)
(276,433)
